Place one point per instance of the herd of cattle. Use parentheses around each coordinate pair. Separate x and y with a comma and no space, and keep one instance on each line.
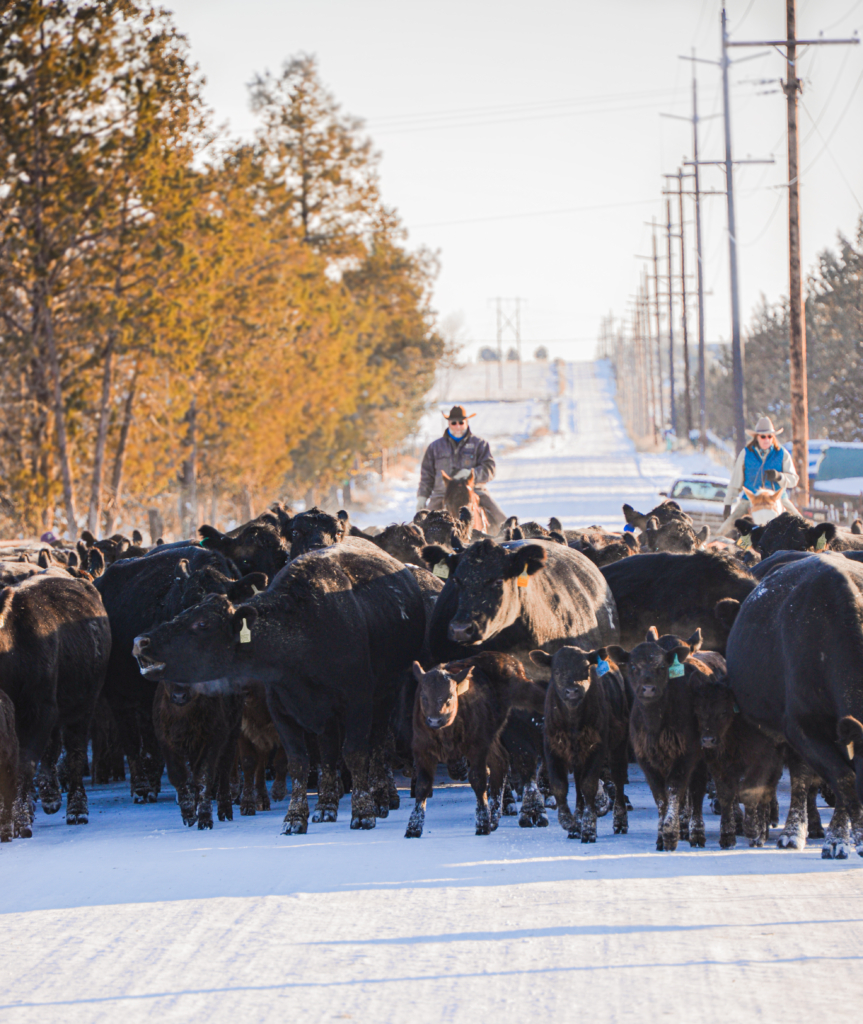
(297,646)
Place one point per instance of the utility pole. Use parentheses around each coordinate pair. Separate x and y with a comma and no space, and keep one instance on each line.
(687,396)
(658,334)
(702,372)
(644,299)
(511,322)
(797,315)
(672,402)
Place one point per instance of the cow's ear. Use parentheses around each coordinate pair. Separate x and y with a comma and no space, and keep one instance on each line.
(652,635)
(632,517)
(137,538)
(73,561)
(88,538)
(703,535)
(818,537)
(857,526)
(418,672)
(463,680)
(630,541)
(726,611)
(681,651)
(182,569)
(530,559)
(415,533)
(244,617)
(555,525)
(849,730)
(96,562)
(435,554)
(211,538)
(617,654)
(245,588)
(542,658)
(43,560)
(597,656)
(445,477)
(695,641)
(756,533)
(557,537)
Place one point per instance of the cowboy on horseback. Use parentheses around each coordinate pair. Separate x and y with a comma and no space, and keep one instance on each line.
(763,465)
(456,456)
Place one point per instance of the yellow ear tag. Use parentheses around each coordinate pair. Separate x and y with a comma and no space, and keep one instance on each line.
(442,570)
(821,543)
(745,541)
(245,634)
(850,750)
(523,578)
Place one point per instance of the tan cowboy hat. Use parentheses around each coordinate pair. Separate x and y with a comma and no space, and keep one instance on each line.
(458,413)
(764,426)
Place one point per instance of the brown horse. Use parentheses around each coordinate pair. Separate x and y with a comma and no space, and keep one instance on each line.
(460,493)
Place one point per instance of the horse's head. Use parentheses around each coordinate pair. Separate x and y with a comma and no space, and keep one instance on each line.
(460,493)
(766,504)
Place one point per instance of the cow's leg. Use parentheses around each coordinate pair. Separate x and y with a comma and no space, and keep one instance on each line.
(478,778)
(280,772)
(793,835)
(423,790)
(697,789)
(660,798)
(532,814)
(8,794)
(558,781)
(496,777)
(75,742)
(249,757)
(203,776)
(378,786)
(262,797)
(222,761)
(815,828)
(510,806)
(356,751)
(725,787)
(327,807)
(181,779)
(152,763)
(618,777)
(297,763)
(126,716)
(548,799)
(589,785)
(48,780)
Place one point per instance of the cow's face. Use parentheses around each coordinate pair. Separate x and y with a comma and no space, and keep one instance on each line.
(489,591)
(256,548)
(190,588)
(791,533)
(713,703)
(573,672)
(199,645)
(675,536)
(438,693)
(404,542)
(649,666)
(315,529)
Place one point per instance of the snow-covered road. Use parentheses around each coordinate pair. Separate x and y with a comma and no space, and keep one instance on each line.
(136,918)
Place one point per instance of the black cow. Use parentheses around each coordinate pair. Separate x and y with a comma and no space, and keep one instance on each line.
(611,552)
(330,639)
(517,597)
(788,532)
(663,730)
(404,541)
(677,593)
(676,536)
(261,545)
(55,642)
(460,710)
(315,529)
(586,726)
(8,767)
(140,593)
(794,657)
(665,512)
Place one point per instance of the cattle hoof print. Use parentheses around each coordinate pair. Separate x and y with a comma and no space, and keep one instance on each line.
(835,851)
(362,822)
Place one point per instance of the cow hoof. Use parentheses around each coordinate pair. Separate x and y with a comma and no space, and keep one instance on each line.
(247,808)
(728,842)
(152,797)
(574,833)
(860,850)
(362,822)
(51,805)
(382,810)
(550,801)
(25,832)
(139,798)
(585,838)
(413,832)
(484,829)
(81,818)
(816,832)
(670,845)
(279,791)
(541,820)
(395,802)
(621,830)
(526,820)
(324,814)
(698,841)
(190,821)
(295,828)
(263,805)
(5,837)
(510,810)
(836,850)
(225,814)
(789,842)
(205,823)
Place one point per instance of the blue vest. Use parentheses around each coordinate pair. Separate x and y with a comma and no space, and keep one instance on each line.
(753,469)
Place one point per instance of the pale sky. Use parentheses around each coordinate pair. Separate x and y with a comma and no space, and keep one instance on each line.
(524,142)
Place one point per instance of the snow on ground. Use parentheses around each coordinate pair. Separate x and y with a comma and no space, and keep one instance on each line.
(136,918)
(581,470)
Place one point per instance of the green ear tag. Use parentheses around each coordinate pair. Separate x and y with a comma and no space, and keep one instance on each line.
(736,709)
(675,669)
(745,541)
(245,634)
(821,543)
(442,570)
(523,578)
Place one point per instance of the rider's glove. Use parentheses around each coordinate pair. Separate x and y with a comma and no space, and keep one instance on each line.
(462,474)
(773,475)
(421,503)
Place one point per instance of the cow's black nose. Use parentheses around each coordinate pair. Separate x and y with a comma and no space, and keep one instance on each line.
(463,632)
(708,741)
(648,691)
(140,643)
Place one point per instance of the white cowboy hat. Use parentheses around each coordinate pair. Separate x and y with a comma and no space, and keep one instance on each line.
(764,426)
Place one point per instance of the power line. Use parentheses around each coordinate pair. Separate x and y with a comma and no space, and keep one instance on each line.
(532,213)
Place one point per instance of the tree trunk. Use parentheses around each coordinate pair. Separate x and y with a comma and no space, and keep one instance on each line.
(189,477)
(94,516)
(119,459)
(60,421)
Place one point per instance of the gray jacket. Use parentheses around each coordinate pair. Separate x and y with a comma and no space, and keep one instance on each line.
(445,456)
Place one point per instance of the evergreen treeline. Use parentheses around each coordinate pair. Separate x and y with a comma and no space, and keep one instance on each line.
(185,318)
(834,339)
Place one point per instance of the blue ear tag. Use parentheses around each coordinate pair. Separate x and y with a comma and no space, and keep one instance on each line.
(675,669)
(629,528)
(602,667)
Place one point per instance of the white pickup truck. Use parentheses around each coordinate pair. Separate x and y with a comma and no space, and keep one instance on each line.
(701,496)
